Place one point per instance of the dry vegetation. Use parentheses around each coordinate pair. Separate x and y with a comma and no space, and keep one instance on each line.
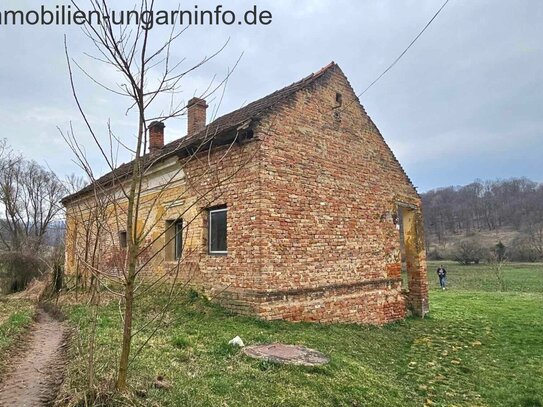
(15,318)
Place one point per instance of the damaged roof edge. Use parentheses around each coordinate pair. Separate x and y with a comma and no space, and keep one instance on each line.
(240,119)
(123,172)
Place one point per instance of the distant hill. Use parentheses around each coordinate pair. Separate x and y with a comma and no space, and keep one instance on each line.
(486,212)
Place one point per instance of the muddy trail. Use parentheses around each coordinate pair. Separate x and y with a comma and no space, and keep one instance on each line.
(35,373)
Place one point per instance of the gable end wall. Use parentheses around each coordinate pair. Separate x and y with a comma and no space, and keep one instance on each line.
(329,188)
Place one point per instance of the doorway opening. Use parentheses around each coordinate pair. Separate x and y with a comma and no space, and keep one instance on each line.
(412,257)
(409,250)
(403,258)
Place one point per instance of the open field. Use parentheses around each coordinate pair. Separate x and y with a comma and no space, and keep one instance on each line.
(478,347)
(517,277)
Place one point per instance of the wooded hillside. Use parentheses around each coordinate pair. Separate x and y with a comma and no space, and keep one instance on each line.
(486,212)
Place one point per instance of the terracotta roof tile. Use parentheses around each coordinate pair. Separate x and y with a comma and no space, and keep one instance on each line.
(229,121)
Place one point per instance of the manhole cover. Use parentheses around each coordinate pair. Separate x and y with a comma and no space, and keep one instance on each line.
(281,353)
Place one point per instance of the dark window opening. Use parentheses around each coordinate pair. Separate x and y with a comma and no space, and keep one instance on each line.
(217,224)
(122,239)
(178,239)
(339,99)
(174,239)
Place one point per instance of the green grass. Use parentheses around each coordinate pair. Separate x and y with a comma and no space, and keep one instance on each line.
(478,347)
(518,277)
(15,317)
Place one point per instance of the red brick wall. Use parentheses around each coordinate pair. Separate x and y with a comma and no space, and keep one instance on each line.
(310,208)
(239,190)
(329,188)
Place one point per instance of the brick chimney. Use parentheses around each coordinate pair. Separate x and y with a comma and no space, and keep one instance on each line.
(156,136)
(196,111)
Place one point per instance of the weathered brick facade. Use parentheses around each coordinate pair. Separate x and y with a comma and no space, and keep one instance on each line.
(312,196)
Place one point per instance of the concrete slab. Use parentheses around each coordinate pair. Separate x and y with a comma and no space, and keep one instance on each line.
(289,354)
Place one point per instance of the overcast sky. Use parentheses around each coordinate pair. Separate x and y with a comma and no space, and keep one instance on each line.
(465,102)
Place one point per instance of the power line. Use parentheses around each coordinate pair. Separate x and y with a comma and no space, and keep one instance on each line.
(405,50)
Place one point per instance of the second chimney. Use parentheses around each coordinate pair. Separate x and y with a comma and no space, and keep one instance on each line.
(156,136)
(196,111)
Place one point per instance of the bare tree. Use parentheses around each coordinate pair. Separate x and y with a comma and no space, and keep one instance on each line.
(536,239)
(469,251)
(112,226)
(30,199)
(497,262)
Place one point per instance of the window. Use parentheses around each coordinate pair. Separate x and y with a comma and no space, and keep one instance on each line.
(122,239)
(339,99)
(217,231)
(174,239)
(178,239)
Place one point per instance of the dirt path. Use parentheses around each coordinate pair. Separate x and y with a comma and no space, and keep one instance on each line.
(35,374)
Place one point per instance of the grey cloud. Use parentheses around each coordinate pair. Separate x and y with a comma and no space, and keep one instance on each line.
(464,102)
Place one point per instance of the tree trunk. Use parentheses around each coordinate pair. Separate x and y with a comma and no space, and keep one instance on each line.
(127,331)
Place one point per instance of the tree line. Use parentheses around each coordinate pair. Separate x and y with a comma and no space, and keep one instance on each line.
(484,206)
(31,225)
(30,201)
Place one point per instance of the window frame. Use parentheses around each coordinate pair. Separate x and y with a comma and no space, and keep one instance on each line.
(209,229)
(123,239)
(178,239)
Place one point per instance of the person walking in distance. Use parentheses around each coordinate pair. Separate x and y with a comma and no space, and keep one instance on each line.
(442,274)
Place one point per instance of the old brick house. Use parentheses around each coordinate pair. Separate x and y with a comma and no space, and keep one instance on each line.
(312,227)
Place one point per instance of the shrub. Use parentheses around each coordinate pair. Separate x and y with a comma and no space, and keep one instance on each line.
(434,254)
(468,251)
(17,270)
(499,251)
(522,250)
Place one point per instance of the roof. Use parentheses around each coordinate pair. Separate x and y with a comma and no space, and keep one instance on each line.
(221,125)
